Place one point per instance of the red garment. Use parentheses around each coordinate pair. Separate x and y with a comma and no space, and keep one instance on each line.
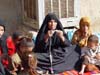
(5,62)
(11,51)
(0,51)
(11,46)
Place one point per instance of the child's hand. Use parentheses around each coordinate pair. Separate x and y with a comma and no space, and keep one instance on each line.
(97,56)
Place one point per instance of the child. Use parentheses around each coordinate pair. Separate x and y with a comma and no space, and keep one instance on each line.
(16,36)
(7,48)
(91,55)
(81,35)
(6,43)
(25,45)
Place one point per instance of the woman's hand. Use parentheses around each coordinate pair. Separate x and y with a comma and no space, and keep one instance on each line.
(60,35)
(49,34)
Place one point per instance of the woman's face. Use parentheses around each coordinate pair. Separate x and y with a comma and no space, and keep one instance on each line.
(52,24)
(1,31)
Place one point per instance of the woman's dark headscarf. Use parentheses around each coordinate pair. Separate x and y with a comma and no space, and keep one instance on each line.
(44,27)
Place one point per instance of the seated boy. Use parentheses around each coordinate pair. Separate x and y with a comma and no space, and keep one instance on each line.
(91,55)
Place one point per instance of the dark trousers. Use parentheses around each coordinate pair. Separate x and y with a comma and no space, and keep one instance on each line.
(2,70)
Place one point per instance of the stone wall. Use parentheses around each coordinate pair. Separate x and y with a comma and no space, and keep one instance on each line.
(10,12)
(91,8)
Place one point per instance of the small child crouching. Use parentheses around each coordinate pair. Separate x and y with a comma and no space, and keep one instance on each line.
(91,55)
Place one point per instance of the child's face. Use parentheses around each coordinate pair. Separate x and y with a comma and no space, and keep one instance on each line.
(26,49)
(29,49)
(92,45)
(17,40)
(85,28)
(1,31)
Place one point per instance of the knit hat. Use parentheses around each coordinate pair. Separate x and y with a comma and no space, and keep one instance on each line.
(93,38)
(2,24)
(84,21)
(26,42)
